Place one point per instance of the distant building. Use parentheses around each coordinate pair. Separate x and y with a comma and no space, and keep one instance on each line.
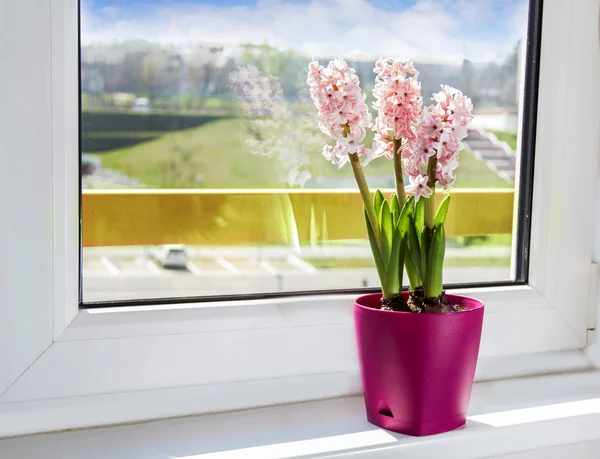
(496,119)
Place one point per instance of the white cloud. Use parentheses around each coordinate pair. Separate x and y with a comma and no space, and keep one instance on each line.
(427,31)
(110,10)
(472,11)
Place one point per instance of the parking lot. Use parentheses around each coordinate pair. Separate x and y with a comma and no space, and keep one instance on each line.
(133,273)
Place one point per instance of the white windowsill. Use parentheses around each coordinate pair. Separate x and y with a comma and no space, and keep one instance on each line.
(505,417)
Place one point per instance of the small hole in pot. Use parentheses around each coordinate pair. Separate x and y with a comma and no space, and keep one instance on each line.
(386,412)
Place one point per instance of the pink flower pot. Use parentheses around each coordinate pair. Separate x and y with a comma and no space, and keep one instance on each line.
(417,369)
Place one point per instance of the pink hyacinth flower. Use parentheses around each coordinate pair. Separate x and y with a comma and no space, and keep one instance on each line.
(397,95)
(440,134)
(418,187)
(342,109)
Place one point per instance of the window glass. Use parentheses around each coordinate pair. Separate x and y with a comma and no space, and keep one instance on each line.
(201,163)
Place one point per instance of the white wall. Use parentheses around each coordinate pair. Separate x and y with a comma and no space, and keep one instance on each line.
(593,94)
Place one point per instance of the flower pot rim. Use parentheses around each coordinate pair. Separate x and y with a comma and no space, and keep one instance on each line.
(357,303)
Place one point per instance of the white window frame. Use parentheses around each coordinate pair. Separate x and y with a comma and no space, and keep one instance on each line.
(61,367)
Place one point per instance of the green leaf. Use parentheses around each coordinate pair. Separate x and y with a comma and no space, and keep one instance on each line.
(395,207)
(414,278)
(414,248)
(401,257)
(440,216)
(406,216)
(387,231)
(419,216)
(381,272)
(378,201)
(394,269)
(433,282)
(425,242)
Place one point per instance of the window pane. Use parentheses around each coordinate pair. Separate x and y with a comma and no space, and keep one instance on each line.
(202,169)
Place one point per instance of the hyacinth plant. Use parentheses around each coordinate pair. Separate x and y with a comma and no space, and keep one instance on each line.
(406,231)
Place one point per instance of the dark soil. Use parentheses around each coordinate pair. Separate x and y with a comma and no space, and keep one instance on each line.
(418,303)
(395,303)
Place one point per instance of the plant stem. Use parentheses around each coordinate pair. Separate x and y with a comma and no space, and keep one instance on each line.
(361,181)
(398,172)
(429,203)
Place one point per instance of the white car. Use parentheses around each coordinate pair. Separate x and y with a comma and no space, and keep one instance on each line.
(170,256)
(141,104)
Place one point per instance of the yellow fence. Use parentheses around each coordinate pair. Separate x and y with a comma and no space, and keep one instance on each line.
(251,217)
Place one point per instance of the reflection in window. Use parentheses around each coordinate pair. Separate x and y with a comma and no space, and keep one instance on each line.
(211,96)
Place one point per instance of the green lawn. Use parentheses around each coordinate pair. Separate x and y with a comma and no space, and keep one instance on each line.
(471,241)
(144,135)
(214,156)
(367,263)
(509,137)
(175,160)
(472,173)
(477,262)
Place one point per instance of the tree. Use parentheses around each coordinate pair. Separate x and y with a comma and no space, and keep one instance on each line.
(288,66)
(158,76)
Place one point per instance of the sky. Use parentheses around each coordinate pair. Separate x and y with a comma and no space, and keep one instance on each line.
(428,30)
